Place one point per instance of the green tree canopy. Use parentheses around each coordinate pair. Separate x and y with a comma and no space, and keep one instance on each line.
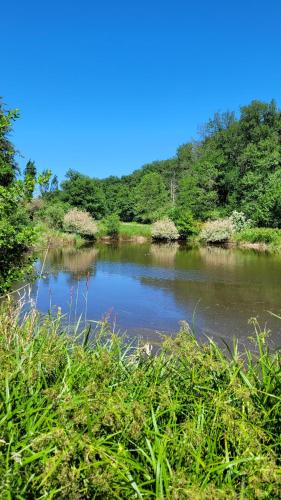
(83,192)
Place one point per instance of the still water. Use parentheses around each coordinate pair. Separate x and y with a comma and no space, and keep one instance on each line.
(149,288)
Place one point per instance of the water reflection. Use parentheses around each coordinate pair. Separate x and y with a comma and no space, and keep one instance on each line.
(152,287)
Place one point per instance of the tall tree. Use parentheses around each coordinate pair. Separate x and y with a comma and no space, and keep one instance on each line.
(151,196)
(8,165)
(54,186)
(29,179)
(44,181)
(85,193)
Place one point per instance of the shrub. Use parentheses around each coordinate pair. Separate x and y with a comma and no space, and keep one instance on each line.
(165,229)
(76,221)
(53,214)
(240,221)
(112,225)
(34,207)
(217,231)
(260,235)
(185,222)
(16,235)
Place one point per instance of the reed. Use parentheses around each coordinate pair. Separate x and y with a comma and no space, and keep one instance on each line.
(90,416)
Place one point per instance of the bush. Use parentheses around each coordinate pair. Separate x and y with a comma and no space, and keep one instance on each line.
(165,229)
(34,207)
(260,235)
(112,225)
(76,221)
(16,235)
(185,222)
(217,231)
(53,214)
(240,221)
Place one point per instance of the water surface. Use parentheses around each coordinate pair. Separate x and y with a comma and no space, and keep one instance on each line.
(147,288)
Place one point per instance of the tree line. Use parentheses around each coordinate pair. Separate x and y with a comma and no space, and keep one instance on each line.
(235,165)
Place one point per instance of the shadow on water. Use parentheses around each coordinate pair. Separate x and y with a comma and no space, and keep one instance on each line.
(149,288)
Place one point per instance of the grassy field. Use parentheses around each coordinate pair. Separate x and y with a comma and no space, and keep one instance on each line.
(127,230)
(131,229)
(85,418)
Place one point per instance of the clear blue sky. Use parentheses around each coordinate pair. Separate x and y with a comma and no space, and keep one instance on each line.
(106,86)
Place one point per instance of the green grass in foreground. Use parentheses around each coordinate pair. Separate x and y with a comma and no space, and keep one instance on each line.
(104,421)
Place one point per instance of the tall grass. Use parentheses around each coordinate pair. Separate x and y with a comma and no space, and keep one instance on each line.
(131,229)
(90,417)
(49,237)
(264,235)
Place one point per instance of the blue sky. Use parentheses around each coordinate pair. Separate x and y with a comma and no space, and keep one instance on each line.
(104,87)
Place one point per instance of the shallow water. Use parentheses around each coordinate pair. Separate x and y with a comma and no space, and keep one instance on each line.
(147,288)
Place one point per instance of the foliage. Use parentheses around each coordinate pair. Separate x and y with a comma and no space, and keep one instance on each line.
(164,229)
(235,166)
(8,166)
(44,181)
(149,196)
(98,419)
(47,237)
(260,235)
(112,225)
(185,223)
(34,207)
(84,193)
(16,234)
(53,214)
(217,231)
(76,221)
(29,179)
(240,221)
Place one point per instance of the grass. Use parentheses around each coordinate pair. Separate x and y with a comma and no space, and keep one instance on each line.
(127,230)
(84,418)
(132,229)
(260,235)
(48,237)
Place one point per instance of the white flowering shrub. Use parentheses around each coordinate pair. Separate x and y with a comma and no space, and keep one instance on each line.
(76,221)
(164,229)
(240,221)
(217,231)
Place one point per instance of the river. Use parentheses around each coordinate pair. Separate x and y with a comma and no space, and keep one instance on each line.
(147,288)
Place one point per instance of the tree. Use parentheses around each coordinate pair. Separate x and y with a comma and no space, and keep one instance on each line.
(29,179)
(85,193)
(8,165)
(150,196)
(44,181)
(54,184)
(16,233)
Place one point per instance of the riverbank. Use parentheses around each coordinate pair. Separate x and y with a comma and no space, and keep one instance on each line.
(52,238)
(258,239)
(94,418)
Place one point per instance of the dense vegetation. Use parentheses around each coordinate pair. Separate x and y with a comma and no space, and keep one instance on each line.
(236,165)
(97,419)
(16,233)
